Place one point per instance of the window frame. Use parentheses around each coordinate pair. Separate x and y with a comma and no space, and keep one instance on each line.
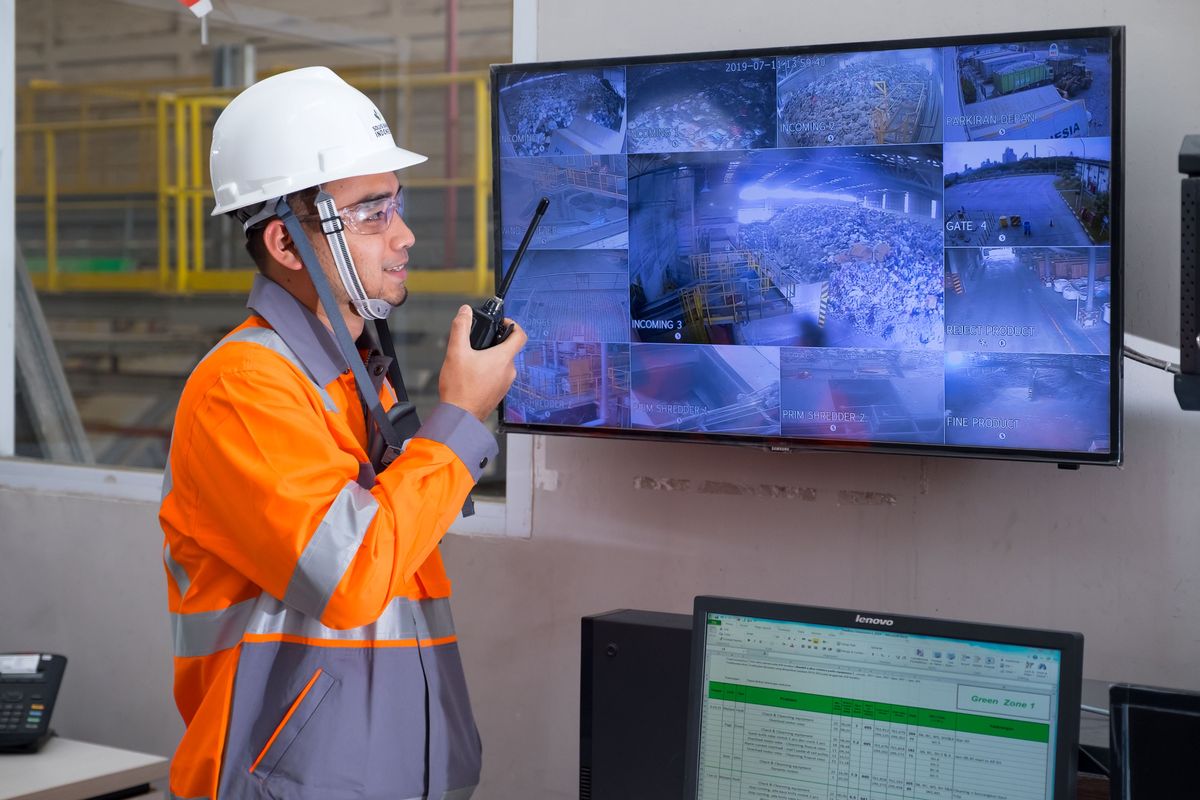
(510,517)
(8,227)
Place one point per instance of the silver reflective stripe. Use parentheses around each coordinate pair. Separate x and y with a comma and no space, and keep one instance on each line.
(167,484)
(403,619)
(172,796)
(433,619)
(330,550)
(178,573)
(273,341)
(203,633)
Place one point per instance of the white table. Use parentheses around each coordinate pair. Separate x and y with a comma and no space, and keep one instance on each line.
(68,770)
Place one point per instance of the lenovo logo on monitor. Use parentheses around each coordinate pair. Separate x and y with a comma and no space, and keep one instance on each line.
(874,620)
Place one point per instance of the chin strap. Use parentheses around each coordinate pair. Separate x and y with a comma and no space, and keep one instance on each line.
(334,230)
(399,423)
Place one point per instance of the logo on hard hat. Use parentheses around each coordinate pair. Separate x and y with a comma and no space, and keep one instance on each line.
(382,128)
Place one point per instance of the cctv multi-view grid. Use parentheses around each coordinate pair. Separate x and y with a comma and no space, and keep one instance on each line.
(903,247)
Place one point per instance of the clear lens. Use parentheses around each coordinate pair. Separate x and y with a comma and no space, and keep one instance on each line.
(374,216)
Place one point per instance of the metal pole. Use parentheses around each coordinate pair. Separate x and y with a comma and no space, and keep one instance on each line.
(8,231)
(407,114)
(483,186)
(1091,279)
(195,190)
(83,147)
(451,214)
(54,415)
(164,209)
(602,384)
(51,213)
(181,215)
(249,64)
(28,108)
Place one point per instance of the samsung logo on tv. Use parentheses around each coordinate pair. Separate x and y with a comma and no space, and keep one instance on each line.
(874,620)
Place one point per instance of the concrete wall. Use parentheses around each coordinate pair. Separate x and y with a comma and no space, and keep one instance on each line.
(84,577)
(1112,553)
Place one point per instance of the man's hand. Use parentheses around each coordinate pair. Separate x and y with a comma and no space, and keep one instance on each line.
(476,380)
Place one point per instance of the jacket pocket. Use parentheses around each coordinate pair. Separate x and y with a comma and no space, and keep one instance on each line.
(297,716)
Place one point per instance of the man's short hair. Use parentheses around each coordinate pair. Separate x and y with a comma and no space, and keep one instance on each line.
(302,202)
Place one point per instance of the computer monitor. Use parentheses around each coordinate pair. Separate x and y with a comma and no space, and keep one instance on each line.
(804,703)
(1154,734)
(907,246)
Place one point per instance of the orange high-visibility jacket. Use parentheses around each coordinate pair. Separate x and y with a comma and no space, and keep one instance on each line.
(315,654)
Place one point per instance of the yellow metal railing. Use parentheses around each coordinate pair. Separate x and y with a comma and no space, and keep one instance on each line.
(180,128)
(53,279)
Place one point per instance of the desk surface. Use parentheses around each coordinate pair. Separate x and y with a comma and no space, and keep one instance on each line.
(68,770)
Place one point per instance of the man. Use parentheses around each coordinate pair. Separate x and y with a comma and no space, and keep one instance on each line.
(315,654)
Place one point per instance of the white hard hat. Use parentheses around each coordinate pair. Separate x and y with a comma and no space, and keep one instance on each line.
(296,130)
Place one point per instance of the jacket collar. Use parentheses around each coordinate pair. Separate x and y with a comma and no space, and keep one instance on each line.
(300,329)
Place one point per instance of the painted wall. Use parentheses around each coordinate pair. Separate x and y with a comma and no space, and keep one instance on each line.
(84,577)
(1111,553)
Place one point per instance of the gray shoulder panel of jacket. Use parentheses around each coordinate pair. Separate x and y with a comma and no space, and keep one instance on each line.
(273,341)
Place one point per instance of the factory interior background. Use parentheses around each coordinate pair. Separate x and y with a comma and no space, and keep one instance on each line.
(136,281)
(575,526)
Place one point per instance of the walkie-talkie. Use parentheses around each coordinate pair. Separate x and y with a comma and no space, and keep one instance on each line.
(487,326)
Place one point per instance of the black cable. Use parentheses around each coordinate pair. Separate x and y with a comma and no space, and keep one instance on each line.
(1100,712)
(1099,764)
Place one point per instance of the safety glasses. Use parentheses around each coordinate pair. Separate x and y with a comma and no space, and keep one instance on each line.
(372,216)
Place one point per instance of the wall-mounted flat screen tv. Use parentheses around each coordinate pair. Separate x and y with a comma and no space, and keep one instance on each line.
(908,246)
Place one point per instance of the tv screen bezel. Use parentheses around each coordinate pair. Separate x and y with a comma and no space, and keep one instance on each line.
(1116,36)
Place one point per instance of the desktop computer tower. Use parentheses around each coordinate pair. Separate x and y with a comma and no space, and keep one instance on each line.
(633,698)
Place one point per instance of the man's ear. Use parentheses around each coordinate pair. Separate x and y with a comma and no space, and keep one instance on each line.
(278,243)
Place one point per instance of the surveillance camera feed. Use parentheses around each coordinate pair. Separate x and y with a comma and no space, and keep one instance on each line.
(909,249)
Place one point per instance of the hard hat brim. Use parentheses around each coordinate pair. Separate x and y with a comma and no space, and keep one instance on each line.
(395,158)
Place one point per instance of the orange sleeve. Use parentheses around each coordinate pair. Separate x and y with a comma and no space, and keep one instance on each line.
(275,497)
